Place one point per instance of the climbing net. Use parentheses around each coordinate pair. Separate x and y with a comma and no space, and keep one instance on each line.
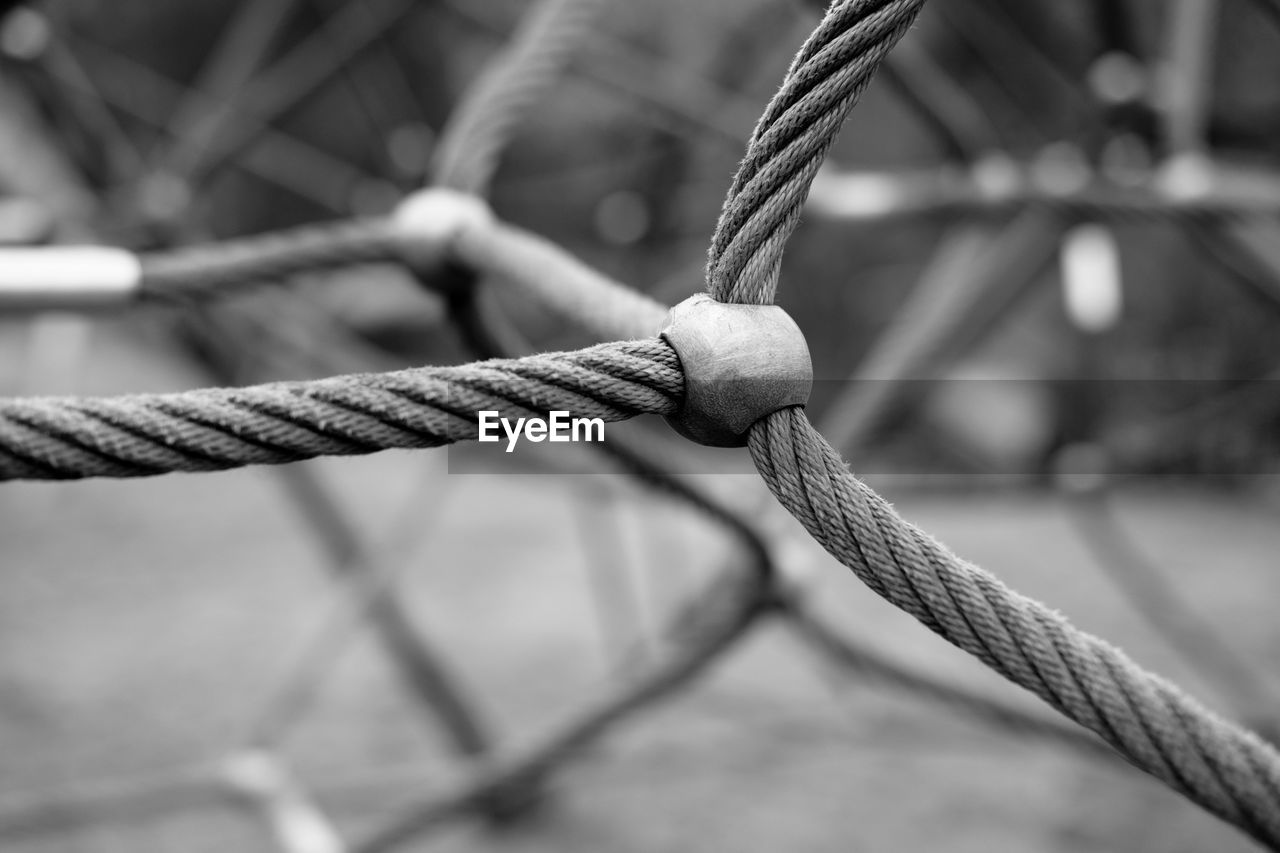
(450,240)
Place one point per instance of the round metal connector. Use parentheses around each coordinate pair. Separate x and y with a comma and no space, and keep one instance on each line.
(741,363)
(429,221)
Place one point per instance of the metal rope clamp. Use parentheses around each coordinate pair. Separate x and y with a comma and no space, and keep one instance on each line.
(741,363)
(428,223)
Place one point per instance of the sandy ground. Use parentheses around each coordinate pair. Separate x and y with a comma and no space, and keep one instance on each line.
(143,624)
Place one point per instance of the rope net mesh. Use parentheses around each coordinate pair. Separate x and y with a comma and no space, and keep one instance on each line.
(1149,722)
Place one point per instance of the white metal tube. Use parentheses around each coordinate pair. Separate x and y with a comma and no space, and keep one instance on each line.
(67,278)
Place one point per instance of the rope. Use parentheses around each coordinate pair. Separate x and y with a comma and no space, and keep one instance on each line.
(558,281)
(512,256)
(869,663)
(791,140)
(217,429)
(1227,770)
(482,125)
(1224,768)
(201,270)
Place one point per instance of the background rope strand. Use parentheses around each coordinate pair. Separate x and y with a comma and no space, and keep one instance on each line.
(481,127)
(200,270)
(1224,768)
(792,138)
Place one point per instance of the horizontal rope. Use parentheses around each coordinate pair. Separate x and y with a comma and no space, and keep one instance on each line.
(513,256)
(202,270)
(1219,765)
(216,429)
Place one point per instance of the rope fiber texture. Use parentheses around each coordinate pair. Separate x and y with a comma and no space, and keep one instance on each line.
(792,139)
(1229,771)
(1217,764)
(1226,769)
(216,429)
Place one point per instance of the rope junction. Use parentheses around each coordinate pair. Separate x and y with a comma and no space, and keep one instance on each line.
(1150,723)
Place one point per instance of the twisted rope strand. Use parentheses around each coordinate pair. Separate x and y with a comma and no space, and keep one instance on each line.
(825,81)
(1229,771)
(482,125)
(1224,768)
(199,270)
(216,429)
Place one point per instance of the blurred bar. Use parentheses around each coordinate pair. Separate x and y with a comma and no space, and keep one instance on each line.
(67,278)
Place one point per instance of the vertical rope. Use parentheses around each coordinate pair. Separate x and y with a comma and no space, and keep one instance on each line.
(792,138)
(482,125)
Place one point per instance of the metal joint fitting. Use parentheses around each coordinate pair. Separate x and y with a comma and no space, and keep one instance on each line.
(741,363)
(428,222)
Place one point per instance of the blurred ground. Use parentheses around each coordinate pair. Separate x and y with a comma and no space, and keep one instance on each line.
(141,624)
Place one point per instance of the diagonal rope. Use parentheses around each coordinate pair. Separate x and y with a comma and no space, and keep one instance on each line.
(792,138)
(1227,770)
(221,428)
(199,270)
(1224,768)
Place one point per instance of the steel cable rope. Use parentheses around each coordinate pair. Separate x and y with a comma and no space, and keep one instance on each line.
(438,692)
(961,123)
(1156,601)
(305,253)
(216,429)
(377,248)
(427,681)
(1219,765)
(467,159)
(487,342)
(363,579)
(450,710)
(484,330)
(1224,768)
(423,673)
(501,91)
(785,603)
(1110,546)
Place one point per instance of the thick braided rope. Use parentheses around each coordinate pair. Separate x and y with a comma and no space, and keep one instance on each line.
(482,125)
(221,428)
(1226,769)
(792,138)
